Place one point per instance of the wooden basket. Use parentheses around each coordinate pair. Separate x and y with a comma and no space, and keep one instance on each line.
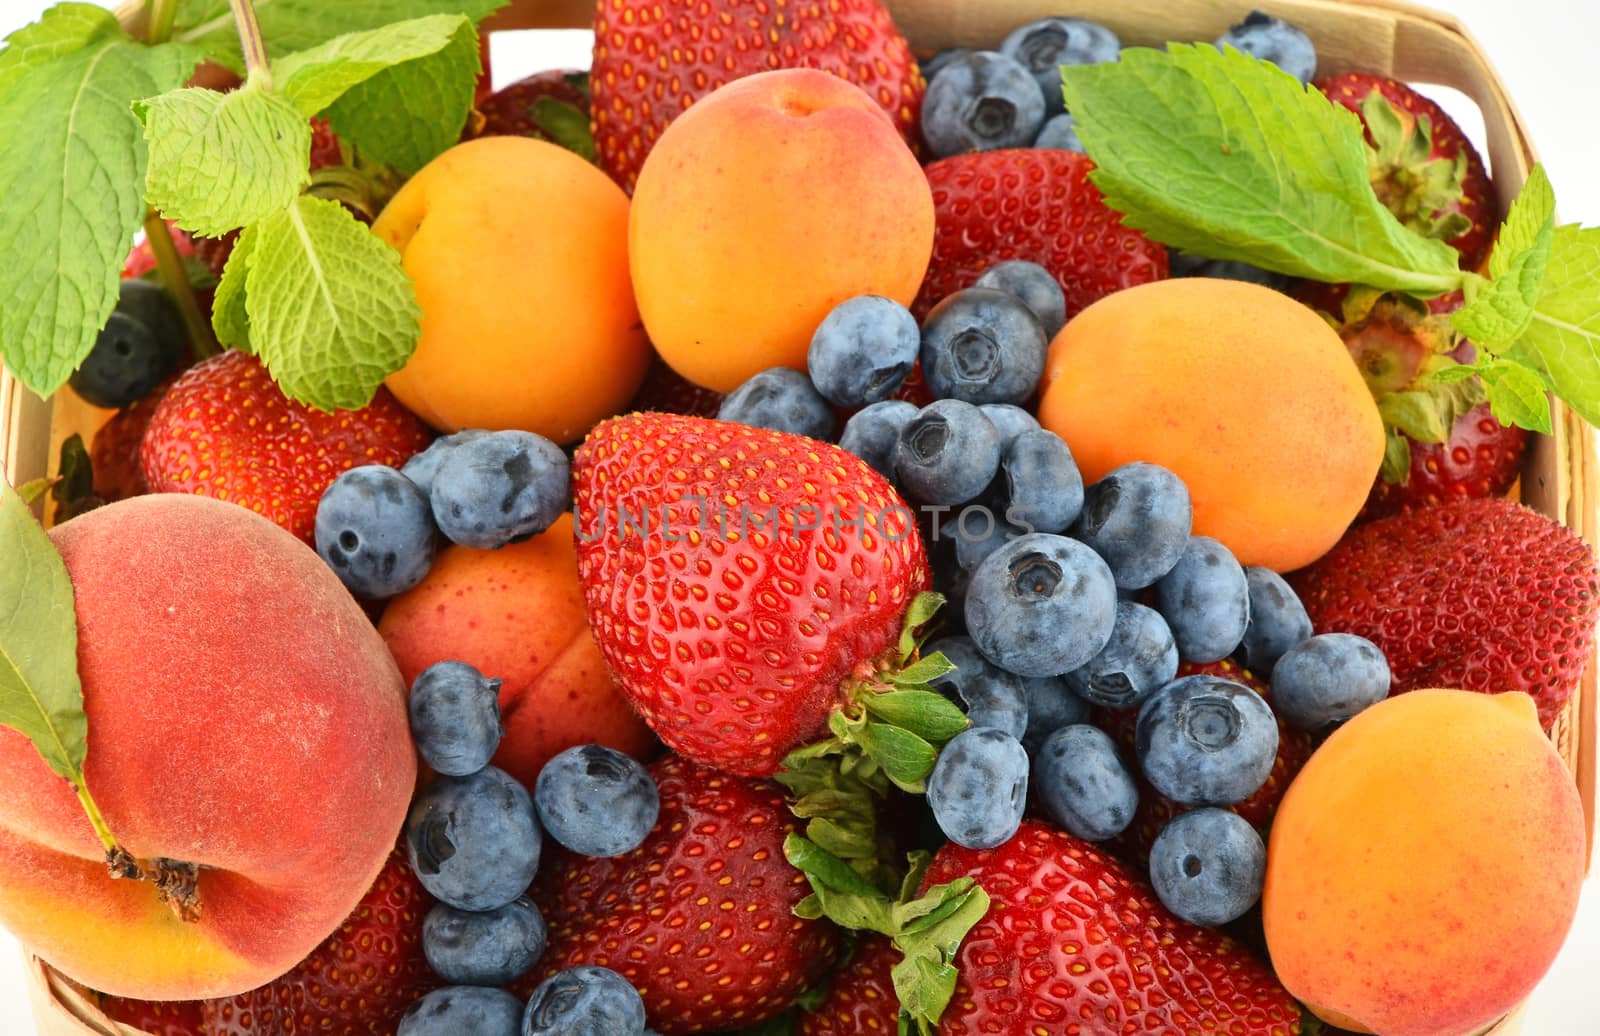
(1383,36)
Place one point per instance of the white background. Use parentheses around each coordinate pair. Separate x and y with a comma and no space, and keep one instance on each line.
(1545,50)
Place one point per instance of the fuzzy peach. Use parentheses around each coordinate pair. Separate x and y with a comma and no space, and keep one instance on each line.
(1424,867)
(243,718)
(761,208)
(517,615)
(519,253)
(1249,396)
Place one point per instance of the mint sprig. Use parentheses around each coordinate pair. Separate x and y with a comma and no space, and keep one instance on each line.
(1221,154)
(72,176)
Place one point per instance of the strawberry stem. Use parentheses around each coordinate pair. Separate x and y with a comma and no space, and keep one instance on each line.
(257,69)
(162,14)
(176,277)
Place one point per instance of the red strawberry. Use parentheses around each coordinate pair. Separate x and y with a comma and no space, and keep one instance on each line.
(1294,748)
(700,917)
(1075,942)
(357,983)
(155,1018)
(775,572)
(1444,443)
(552,105)
(114,453)
(1421,165)
(668,392)
(224,430)
(1484,595)
(1481,458)
(861,998)
(1038,205)
(652,60)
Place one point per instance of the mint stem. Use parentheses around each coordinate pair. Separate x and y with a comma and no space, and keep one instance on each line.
(256,66)
(162,14)
(176,277)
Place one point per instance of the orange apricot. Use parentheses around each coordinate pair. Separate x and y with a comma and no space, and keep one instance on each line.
(761,208)
(519,253)
(1424,867)
(1247,395)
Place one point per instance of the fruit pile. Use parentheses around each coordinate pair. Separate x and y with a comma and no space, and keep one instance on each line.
(770,535)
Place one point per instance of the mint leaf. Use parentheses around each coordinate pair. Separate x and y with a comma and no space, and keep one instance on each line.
(71,176)
(313,79)
(61,30)
(229,309)
(1517,397)
(291,25)
(220,161)
(1533,208)
(405,115)
(1218,153)
(331,312)
(1497,313)
(40,696)
(1564,335)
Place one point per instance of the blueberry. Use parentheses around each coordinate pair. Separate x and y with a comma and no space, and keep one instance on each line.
(947,454)
(983,345)
(1044,46)
(872,431)
(455,718)
(1009,420)
(491,948)
(500,488)
(931,67)
(1083,784)
(1272,39)
(1327,679)
(140,345)
(1138,660)
(1185,265)
(1137,517)
(596,801)
(783,400)
(979,102)
(863,350)
(1278,621)
(422,467)
(1041,605)
(1035,286)
(585,1001)
(979,787)
(1051,706)
(1208,865)
(454,1010)
(1205,741)
(990,696)
(1060,133)
(1205,601)
(978,532)
(375,530)
(474,841)
(1044,491)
